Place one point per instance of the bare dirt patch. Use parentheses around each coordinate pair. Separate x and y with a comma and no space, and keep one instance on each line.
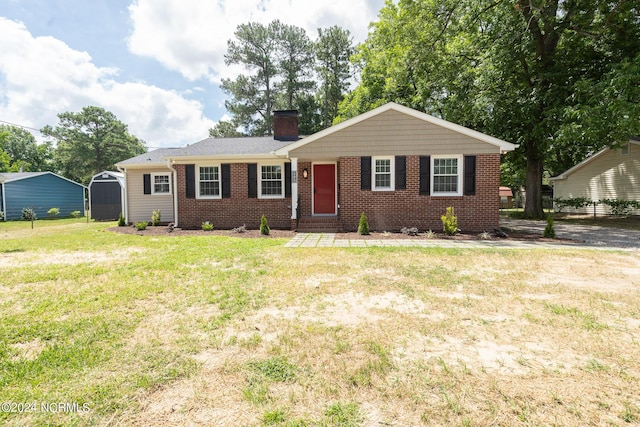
(17,259)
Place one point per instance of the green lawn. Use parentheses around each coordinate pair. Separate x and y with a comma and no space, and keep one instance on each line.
(178,330)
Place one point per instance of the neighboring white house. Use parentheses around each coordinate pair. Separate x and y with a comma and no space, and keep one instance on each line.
(611,173)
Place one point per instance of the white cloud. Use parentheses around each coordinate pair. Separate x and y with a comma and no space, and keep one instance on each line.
(42,76)
(190,36)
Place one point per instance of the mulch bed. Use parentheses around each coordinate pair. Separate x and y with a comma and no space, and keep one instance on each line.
(287,234)
(163,231)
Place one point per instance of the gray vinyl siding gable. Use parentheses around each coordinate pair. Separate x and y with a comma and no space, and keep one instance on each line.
(609,176)
(393,133)
(140,205)
(42,193)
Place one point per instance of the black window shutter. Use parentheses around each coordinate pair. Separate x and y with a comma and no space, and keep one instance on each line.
(365,173)
(469,175)
(190,178)
(287,180)
(252,176)
(425,175)
(226,180)
(147,183)
(401,172)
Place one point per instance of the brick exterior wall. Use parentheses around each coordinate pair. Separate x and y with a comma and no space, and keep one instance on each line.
(391,211)
(231,212)
(385,210)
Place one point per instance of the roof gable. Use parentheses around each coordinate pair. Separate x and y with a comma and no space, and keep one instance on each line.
(588,160)
(355,121)
(17,176)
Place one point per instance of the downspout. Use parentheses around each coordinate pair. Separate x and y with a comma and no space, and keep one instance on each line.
(125,195)
(174,173)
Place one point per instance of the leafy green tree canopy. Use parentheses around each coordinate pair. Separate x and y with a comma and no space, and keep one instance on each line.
(24,152)
(91,141)
(284,69)
(559,78)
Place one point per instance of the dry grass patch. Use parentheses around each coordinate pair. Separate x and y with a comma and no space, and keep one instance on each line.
(216,331)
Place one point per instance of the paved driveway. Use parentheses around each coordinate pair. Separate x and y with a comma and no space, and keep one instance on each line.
(591,235)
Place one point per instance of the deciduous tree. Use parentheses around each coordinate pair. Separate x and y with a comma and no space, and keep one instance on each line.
(559,78)
(91,141)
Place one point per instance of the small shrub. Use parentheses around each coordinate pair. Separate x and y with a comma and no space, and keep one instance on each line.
(207,226)
(29,214)
(121,221)
(549,231)
(241,229)
(264,226)
(155,218)
(53,212)
(620,206)
(575,202)
(430,234)
(75,214)
(363,226)
(141,226)
(484,236)
(449,222)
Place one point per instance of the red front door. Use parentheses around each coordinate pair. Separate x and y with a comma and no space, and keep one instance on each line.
(324,189)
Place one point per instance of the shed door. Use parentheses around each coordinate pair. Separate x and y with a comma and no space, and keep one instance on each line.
(106,201)
(324,189)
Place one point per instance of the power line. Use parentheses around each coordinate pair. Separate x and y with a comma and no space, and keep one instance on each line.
(20,126)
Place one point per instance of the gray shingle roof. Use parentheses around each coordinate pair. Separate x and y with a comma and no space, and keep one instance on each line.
(244,146)
(155,156)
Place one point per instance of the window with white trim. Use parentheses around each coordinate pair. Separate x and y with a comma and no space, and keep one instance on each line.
(382,171)
(271,181)
(209,184)
(446,175)
(160,184)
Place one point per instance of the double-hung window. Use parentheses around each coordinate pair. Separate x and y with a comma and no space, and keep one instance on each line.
(383,173)
(209,182)
(271,181)
(161,184)
(446,176)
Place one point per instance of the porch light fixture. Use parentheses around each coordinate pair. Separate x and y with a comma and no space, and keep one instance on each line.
(305,173)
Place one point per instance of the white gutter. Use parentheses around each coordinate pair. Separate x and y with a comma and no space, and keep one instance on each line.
(174,173)
(125,204)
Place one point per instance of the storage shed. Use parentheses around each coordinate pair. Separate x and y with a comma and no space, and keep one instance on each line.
(40,191)
(106,195)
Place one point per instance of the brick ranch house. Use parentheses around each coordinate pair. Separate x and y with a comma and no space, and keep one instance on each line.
(399,166)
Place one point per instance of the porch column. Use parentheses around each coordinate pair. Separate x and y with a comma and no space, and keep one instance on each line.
(294,188)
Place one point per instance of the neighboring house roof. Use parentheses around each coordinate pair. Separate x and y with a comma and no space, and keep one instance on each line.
(231,147)
(150,158)
(588,160)
(16,176)
(506,192)
(503,145)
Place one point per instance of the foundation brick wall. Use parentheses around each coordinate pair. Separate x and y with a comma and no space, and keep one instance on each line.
(390,211)
(231,212)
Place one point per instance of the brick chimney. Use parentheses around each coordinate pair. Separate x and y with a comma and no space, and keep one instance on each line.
(285,125)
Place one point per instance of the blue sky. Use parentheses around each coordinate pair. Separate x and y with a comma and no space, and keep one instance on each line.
(156,64)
